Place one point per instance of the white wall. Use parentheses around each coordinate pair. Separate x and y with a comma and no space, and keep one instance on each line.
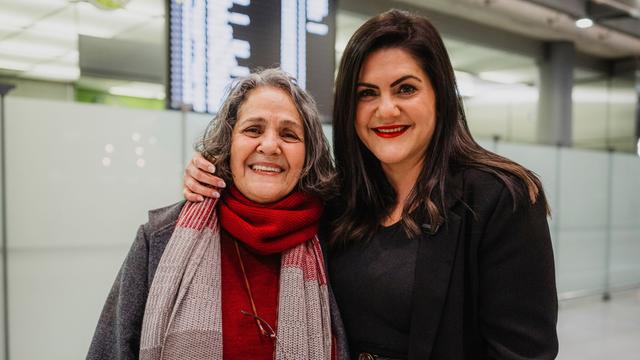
(505,111)
(595,203)
(72,214)
(40,89)
(604,113)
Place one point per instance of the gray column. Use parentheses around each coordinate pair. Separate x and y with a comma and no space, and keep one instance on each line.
(637,83)
(638,124)
(4,296)
(556,84)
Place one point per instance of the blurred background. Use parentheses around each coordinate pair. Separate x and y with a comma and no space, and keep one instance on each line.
(102,102)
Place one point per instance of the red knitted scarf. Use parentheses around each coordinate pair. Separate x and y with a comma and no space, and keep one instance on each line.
(270,228)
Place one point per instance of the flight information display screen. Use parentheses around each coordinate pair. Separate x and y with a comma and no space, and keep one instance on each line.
(212,42)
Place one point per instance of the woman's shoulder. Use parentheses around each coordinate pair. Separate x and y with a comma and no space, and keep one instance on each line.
(474,180)
(486,179)
(163,219)
(482,188)
(488,188)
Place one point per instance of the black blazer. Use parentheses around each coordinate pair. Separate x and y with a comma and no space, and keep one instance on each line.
(485,283)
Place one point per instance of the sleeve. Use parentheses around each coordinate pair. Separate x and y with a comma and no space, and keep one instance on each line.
(340,348)
(518,304)
(117,334)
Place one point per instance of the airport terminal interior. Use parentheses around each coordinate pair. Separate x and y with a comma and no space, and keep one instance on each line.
(103,101)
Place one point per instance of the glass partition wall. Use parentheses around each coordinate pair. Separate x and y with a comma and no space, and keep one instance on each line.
(604,110)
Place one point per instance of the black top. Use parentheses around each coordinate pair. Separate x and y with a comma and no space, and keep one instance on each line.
(373,283)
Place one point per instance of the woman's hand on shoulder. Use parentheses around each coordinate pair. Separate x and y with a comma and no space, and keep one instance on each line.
(199,181)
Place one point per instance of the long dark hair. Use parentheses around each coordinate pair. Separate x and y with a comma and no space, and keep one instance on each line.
(367,196)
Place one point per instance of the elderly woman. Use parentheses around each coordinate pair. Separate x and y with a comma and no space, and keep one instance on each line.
(441,249)
(241,277)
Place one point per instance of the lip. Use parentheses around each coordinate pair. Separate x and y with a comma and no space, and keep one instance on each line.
(266,164)
(390,131)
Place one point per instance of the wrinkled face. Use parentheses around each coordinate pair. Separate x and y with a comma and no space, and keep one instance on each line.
(396,110)
(267,145)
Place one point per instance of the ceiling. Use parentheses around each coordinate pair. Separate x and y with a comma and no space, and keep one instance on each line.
(549,20)
(464,55)
(483,63)
(39,40)
(477,67)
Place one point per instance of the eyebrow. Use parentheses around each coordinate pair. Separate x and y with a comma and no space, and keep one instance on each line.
(392,84)
(291,123)
(255,120)
(259,120)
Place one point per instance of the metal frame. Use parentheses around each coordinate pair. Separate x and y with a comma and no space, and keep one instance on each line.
(4,90)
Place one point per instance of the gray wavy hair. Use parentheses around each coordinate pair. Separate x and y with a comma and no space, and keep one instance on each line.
(318,173)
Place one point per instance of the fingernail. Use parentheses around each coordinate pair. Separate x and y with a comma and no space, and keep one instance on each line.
(222,184)
(200,198)
(216,195)
(212,169)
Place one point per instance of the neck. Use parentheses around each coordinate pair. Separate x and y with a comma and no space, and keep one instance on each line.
(403,178)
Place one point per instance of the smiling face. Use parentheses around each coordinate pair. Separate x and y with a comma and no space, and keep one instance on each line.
(396,111)
(267,145)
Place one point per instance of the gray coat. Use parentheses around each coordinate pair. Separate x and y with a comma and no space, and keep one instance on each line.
(117,334)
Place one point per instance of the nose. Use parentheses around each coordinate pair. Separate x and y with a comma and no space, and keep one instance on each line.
(269,144)
(387,108)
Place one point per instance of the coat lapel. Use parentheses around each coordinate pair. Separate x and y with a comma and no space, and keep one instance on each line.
(434,263)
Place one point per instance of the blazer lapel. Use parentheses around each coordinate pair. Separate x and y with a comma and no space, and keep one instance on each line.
(434,263)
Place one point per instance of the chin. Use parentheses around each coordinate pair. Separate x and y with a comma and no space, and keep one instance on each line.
(263,197)
(389,158)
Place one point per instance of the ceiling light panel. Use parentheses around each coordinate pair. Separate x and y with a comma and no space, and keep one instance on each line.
(14,65)
(106,24)
(153,8)
(53,71)
(61,24)
(84,18)
(6,29)
(12,20)
(36,46)
(31,50)
(139,89)
(39,38)
(25,12)
(18,57)
(71,58)
(153,31)
(584,23)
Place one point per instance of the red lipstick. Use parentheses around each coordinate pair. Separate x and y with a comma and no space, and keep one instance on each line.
(390,131)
